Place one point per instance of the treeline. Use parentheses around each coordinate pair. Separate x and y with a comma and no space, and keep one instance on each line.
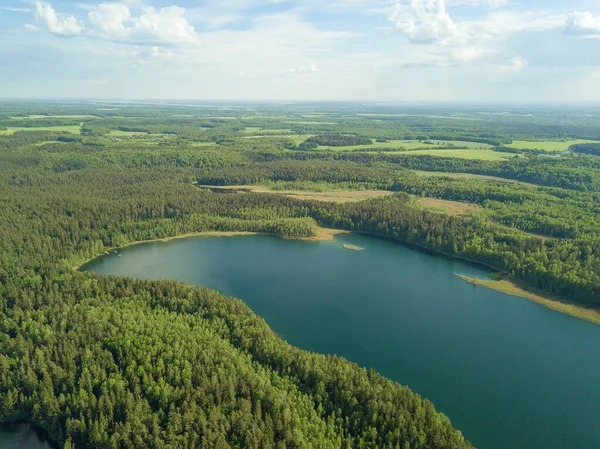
(547,211)
(338,140)
(39,122)
(107,362)
(567,267)
(103,361)
(570,172)
(586,148)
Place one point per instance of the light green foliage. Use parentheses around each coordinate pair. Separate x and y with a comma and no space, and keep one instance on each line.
(74,129)
(550,146)
(107,362)
(484,155)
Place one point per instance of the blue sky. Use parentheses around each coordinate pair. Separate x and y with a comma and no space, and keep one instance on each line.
(380,50)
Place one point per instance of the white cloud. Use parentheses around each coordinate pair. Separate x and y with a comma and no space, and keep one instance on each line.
(582,24)
(107,21)
(479,3)
(446,41)
(515,65)
(303,69)
(424,21)
(13,9)
(63,25)
(467,54)
(114,21)
(164,25)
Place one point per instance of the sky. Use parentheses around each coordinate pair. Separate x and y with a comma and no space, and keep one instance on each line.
(308,50)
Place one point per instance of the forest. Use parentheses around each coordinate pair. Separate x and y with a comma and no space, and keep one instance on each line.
(109,362)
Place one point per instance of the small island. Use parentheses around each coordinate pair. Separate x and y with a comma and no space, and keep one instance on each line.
(353,247)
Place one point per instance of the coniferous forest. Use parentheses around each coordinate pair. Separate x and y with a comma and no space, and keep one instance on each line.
(111,362)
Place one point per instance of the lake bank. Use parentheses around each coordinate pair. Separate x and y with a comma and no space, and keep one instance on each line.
(24,434)
(321,235)
(514,289)
(327,234)
(484,360)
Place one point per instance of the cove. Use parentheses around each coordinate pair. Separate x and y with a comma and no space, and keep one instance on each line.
(508,372)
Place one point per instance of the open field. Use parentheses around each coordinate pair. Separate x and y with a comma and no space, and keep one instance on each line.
(74,129)
(119,133)
(297,138)
(411,145)
(258,130)
(550,146)
(202,144)
(334,196)
(448,207)
(516,289)
(472,176)
(56,116)
(306,122)
(486,155)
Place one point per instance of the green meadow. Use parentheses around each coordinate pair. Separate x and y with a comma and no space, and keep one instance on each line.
(485,155)
(548,145)
(74,129)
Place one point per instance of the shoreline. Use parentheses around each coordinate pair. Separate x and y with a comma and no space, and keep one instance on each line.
(512,288)
(322,235)
(505,286)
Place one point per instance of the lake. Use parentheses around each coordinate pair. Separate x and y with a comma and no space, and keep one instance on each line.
(508,372)
(22,435)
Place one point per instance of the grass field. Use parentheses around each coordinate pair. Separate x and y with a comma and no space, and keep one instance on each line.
(305,122)
(550,146)
(119,133)
(202,144)
(297,138)
(486,155)
(258,130)
(335,196)
(472,176)
(75,129)
(55,116)
(411,145)
(447,206)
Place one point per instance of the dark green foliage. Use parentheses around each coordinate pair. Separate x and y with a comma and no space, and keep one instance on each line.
(107,362)
(338,140)
(586,148)
(110,362)
(568,267)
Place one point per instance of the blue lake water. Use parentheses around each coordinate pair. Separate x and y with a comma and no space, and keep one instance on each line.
(509,373)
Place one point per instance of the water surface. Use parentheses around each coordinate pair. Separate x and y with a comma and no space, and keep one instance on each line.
(22,435)
(511,374)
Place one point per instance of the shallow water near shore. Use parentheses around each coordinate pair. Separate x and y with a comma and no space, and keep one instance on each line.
(508,372)
(22,435)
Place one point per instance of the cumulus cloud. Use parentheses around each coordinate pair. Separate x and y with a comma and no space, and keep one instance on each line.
(447,41)
(582,24)
(479,3)
(424,21)
(114,21)
(516,64)
(303,69)
(167,25)
(468,54)
(107,21)
(63,25)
